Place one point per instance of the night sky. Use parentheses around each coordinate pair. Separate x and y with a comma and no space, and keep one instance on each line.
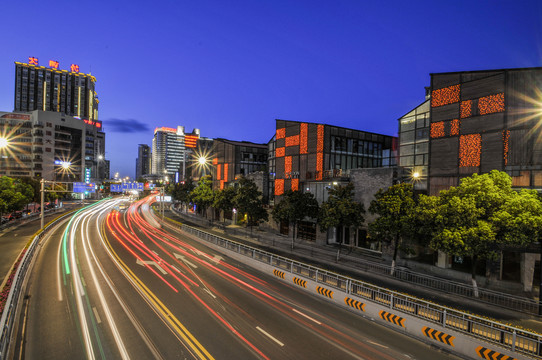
(230,68)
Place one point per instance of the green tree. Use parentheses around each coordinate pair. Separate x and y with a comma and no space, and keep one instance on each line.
(395,207)
(340,210)
(14,194)
(483,215)
(224,200)
(203,194)
(248,200)
(182,191)
(294,207)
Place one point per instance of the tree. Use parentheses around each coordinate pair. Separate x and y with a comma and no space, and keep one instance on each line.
(203,194)
(224,200)
(395,207)
(248,200)
(182,191)
(483,215)
(340,210)
(294,207)
(14,194)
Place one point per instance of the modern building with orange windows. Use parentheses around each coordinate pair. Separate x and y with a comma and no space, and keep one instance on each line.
(475,122)
(311,157)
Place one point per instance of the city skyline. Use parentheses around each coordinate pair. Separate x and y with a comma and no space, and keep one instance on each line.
(231,70)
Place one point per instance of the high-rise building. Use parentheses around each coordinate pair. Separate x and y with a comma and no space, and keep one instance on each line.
(143,161)
(170,149)
(51,145)
(51,89)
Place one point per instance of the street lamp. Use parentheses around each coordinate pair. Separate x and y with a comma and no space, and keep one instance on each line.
(3,142)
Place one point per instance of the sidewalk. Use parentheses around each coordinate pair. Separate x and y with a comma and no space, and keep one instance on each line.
(349,264)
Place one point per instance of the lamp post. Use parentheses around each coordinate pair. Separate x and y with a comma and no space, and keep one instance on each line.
(3,142)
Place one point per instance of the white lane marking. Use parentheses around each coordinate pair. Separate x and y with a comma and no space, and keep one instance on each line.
(269,335)
(307,316)
(217,258)
(377,344)
(210,293)
(153,263)
(183,259)
(96,315)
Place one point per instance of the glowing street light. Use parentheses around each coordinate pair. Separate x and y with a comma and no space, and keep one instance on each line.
(202,160)
(3,142)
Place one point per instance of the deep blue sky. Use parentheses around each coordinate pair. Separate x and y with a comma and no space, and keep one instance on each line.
(230,68)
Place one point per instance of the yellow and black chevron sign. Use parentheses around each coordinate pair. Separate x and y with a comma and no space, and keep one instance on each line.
(489,354)
(300,282)
(394,319)
(439,336)
(278,273)
(325,292)
(354,303)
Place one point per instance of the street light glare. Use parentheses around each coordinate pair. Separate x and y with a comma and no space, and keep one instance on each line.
(66,165)
(3,142)
(416,175)
(202,160)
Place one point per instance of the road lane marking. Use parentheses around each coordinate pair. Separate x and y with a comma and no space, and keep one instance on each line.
(183,259)
(269,336)
(210,293)
(96,315)
(152,263)
(377,344)
(307,316)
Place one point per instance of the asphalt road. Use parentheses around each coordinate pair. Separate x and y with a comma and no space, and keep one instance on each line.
(115,285)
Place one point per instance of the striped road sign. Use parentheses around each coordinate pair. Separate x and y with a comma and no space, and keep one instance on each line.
(278,273)
(489,354)
(394,319)
(300,282)
(439,336)
(325,292)
(354,303)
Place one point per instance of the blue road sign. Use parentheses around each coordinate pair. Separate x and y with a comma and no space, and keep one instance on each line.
(116,188)
(80,187)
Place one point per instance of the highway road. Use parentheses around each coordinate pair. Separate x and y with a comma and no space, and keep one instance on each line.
(115,283)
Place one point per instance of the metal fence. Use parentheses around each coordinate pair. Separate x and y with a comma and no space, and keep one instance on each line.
(515,339)
(10,309)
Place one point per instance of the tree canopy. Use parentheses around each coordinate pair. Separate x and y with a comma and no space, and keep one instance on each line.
(203,194)
(248,200)
(224,199)
(294,207)
(14,194)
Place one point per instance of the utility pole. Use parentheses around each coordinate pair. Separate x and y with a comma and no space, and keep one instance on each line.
(42,190)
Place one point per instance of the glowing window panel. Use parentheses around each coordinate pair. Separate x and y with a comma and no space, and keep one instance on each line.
(506,146)
(303,138)
(295,184)
(454,127)
(219,171)
(437,129)
(288,164)
(221,184)
(279,152)
(319,166)
(491,104)
(215,161)
(470,149)
(281,133)
(466,109)
(33,60)
(279,187)
(445,96)
(74,68)
(226,172)
(190,141)
(320,138)
(292,140)
(53,64)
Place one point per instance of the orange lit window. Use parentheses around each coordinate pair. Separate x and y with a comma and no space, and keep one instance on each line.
(221,184)
(279,187)
(445,96)
(319,166)
(219,171)
(320,138)
(279,152)
(281,133)
(53,64)
(288,164)
(466,109)
(215,161)
(292,140)
(295,184)
(303,138)
(491,104)
(226,172)
(190,141)
(470,149)
(33,60)
(506,146)
(454,127)
(437,129)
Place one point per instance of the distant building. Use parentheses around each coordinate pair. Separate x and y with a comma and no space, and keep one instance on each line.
(42,142)
(170,149)
(51,89)
(143,161)
(312,157)
(234,158)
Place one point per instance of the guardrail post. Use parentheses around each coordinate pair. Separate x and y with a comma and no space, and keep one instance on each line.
(316,275)
(444,318)
(391,301)
(348,286)
(514,341)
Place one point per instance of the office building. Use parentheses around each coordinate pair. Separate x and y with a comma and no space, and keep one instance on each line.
(170,151)
(51,89)
(143,161)
(52,145)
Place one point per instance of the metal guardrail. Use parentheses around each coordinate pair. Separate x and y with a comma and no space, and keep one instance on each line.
(8,314)
(512,338)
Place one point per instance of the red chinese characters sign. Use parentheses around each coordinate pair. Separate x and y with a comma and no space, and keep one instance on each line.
(53,64)
(74,68)
(33,60)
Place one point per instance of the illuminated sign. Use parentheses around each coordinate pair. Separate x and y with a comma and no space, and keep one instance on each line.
(190,141)
(33,60)
(53,64)
(74,68)
(96,123)
(87,175)
(79,187)
(165,129)
(63,163)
